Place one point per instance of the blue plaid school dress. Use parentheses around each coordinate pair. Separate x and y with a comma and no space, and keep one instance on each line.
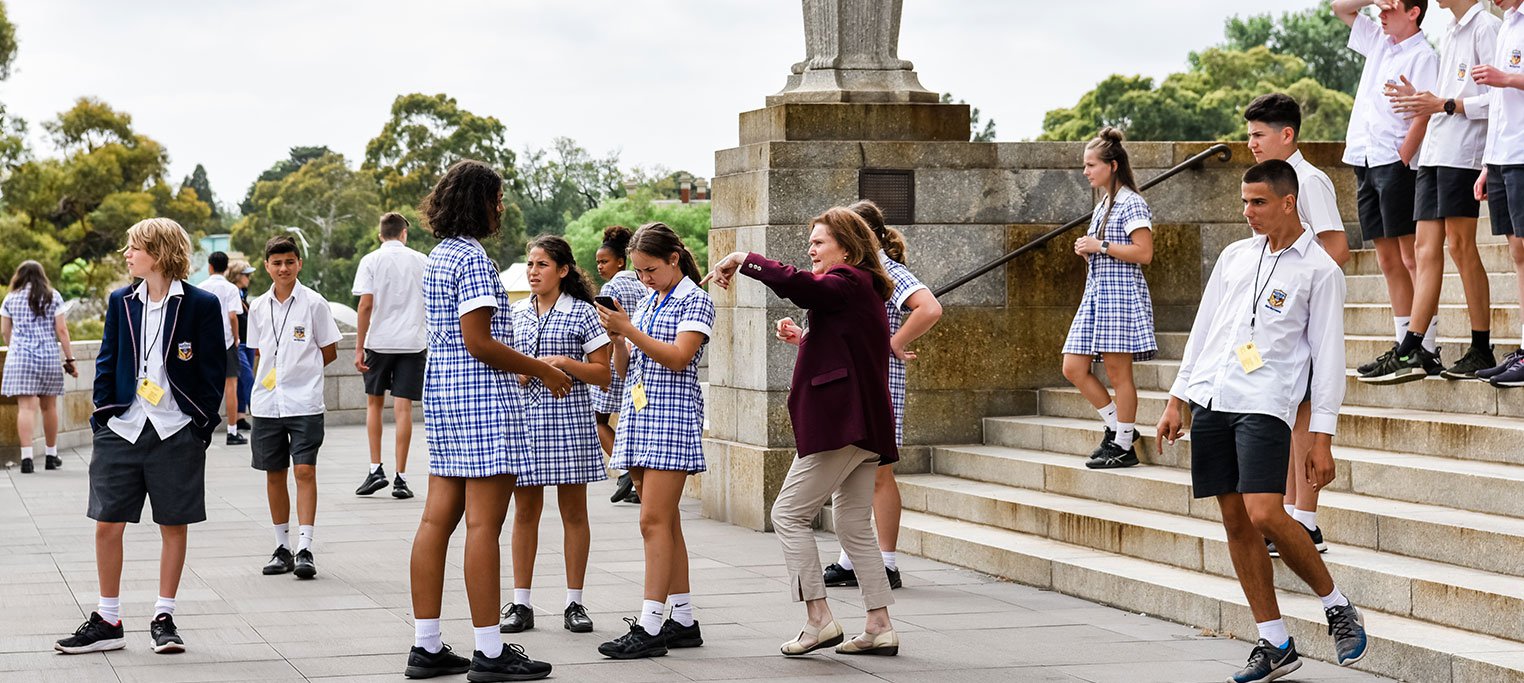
(562,435)
(1116,315)
(625,288)
(905,284)
(668,433)
(33,365)
(473,414)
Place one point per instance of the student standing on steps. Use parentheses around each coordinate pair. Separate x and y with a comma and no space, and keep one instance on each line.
(232,302)
(158,384)
(35,330)
(623,286)
(294,337)
(1502,181)
(1447,208)
(390,346)
(557,324)
(1116,315)
(1273,306)
(1382,145)
(1275,120)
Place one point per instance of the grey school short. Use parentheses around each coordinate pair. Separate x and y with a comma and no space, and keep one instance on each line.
(1505,199)
(1446,192)
(1238,453)
(1385,200)
(279,442)
(170,473)
(235,361)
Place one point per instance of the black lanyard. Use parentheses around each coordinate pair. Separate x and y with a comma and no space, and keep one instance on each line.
(540,324)
(280,331)
(1260,289)
(159,329)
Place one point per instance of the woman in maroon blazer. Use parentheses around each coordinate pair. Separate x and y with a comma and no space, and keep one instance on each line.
(843,420)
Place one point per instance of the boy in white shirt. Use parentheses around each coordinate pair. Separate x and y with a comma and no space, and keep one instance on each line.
(1502,182)
(232,304)
(293,336)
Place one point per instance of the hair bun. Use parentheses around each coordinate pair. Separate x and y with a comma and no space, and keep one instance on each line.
(617,236)
(1110,134)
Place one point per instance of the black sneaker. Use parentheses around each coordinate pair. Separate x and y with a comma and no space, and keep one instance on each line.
(1348,630)
(1317,541)
(624,489)
(575,619)
(1512,377)
(1508,362)
(837,575)
(511,665)
(280,562)
(1395,369)
(680,636)
(51,462)
(1368,367)
(894,578)
(636,644)
(26,466)
(375,481)
(243,426)
(1475,360)
(95,635)
(305,567)
(424,664)
(516,619)
(165,637)
(1109,436)
(400,490)
(237,439)
(1268,662)
(1113,457)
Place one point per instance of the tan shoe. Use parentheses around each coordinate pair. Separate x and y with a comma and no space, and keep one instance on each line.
(886,644)
(824,637)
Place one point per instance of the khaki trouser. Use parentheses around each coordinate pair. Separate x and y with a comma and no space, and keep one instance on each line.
(846,475)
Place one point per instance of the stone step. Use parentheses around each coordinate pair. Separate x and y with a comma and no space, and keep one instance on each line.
(1401,647)
(1454,321)
(1488,438)
(1371,289)
(1495,259)
(1475,540)
(1476,601)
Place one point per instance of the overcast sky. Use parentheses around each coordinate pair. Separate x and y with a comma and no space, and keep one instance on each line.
(233,84)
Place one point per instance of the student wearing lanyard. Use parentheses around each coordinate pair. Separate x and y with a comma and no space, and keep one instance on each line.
(623,286)
(1273,306)
(1502,181)
(558,326)
(661,426)
(158,385)
(293,337)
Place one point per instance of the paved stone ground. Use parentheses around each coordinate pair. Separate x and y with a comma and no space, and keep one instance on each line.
(352,623)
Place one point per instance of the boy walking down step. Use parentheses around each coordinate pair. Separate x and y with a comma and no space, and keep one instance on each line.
(1274,305)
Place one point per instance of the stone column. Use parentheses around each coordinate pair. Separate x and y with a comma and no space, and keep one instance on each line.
(852,55)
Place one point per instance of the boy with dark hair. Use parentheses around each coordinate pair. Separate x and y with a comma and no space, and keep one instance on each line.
(293,336)
(232,304)
(158,382)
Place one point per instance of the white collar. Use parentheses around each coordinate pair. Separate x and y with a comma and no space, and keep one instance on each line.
(684,288)
(398,243)
(473,242)
(1470,14)
(296,291)
(1409,42)
(564,303)
(1296,158)
(1299,246)
(141,291)
(625,273)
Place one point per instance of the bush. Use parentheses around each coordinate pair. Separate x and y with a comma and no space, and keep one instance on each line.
(86,330)
(689,221)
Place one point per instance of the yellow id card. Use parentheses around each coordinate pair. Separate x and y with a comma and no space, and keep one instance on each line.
(150,392)
(638,395)
(269,381)
(1249,358)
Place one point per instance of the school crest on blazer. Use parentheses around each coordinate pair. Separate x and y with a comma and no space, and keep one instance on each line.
(183,352)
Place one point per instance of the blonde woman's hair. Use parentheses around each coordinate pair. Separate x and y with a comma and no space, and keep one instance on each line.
(166,242)
(236,268)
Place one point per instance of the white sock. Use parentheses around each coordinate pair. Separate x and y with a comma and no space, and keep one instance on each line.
(682,608)
(1290,509)
(521,597)
(1431,337)
(844,561)
(426,635)
(283,535)
(163,606)
(110,609)
(1308,518)
(402,475)
(304,537)
(50,450)
(1333,599)
(573,595)
(1109,415)
(233,429)
(1275,632)
(375,466)
(1125,433)
(1401,323)
(889,559)
(651,616)
(489,641)
(1521,338)
(26,452)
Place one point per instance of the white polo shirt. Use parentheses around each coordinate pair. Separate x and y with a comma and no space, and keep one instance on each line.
(151,332)
(1505,135)
(1457,141)
(290,336)
(393,275)
(232,302)
(1315,198)
(1375,131)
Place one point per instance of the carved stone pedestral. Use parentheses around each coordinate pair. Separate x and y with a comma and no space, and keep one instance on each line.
(852,55)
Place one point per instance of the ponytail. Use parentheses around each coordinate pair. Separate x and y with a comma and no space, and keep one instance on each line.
(891,240)
(1108,148)
(556,247)
(656,239)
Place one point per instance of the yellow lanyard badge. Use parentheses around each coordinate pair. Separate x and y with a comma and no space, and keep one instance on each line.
(269,381)
(150,391)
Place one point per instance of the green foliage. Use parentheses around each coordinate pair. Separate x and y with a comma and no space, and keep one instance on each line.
(1314,35)
(976,132)
(689,221)
(198,182)
(299,156)
(557,185)
(423,137)
(88,329)
(22,244)
(7,43)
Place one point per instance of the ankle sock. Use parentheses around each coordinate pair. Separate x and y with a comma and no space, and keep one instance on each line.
(1109,415)
(50,450)
(889,559)
(651,616)
(1126,431)
(1410,342)
(163,606)
(283,535)
(1401,323)
(403,476)
(573,595)
(426,635)
(521,596)
(110,609)
(682,608)
(844,561)
(1308,518)
(489,641)
(304,538)
(26,453)
(233,429)
(1290,509)
(375,467)
(1431,337)
(1334,599)
(1481,339)
(1274,631)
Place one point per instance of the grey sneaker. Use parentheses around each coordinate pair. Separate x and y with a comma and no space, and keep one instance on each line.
(1348,630)
(1267,663)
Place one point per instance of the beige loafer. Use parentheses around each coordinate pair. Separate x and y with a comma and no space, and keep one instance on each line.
(886,644)
(825,636)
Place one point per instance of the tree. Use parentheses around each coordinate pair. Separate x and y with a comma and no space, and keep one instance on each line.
(559,184)
(689,221)
(7,43)
(198,182)
(976,134)
(1314,35)
(299,156)
(423,137)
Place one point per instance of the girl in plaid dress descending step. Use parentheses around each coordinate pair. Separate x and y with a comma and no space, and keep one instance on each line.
(34,329)
(1115,319)
(623,286)
(559,326)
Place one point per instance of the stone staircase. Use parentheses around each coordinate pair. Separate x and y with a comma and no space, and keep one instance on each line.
(1425,519)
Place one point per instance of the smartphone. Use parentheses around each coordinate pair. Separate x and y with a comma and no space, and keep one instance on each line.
(606,302)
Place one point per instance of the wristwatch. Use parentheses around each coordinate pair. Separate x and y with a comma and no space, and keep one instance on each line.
(1450,106)
(1106,248)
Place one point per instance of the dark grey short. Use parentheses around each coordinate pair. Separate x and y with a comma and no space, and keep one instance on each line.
(1446,192)
(235,361)
(1505,199)
(1238,453)
(170,473)
(1385,200)
(399,373)
(280,441)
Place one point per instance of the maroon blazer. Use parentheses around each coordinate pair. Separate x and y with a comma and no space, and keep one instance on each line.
(840,391)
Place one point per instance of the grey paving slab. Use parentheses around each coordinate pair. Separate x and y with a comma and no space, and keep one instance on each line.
(354,622)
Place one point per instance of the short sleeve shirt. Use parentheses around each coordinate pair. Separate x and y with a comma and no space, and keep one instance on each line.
(290,336)
(1505,134)
(393,276)
(1315,198)
(232,302)
(1375,131)
(32,333)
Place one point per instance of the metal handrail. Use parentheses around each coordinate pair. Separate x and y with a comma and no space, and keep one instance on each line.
(1222,151)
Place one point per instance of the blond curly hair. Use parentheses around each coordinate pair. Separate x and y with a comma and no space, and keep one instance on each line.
(166,242)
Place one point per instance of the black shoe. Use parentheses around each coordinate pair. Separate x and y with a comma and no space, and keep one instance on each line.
(95,635)
(680,636)
(1113,457)
(280,562)
(1317,541)
(305,567)
(511,665)
(375,481)
(237,439)
(1395,369)
(1474,361)
(243,426)
(26,466)
(1268,662)
(400,489)
(424,664)
(166,638)
(1109,436)
(637,643)
(576,620)
(516,619)
(1368,367)
(624,489)
(837,575)
(1508,362)
(894,578)
(1348,629)
(51,462)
